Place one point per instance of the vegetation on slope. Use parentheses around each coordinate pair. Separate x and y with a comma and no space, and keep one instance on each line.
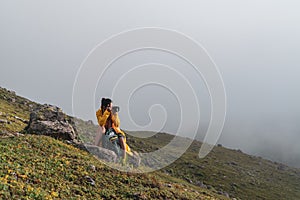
(228,171)
(40,167)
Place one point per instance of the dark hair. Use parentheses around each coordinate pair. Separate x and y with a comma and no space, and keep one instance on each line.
(105,102)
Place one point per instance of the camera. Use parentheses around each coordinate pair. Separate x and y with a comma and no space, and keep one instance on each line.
(115,109)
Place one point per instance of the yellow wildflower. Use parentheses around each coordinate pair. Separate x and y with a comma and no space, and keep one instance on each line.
(29,188)
(54,194)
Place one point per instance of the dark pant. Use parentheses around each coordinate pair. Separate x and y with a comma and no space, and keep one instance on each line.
(111,141)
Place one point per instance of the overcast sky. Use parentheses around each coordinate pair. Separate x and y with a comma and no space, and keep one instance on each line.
(255,45)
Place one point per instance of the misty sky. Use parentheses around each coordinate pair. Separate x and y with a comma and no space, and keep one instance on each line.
(255,45)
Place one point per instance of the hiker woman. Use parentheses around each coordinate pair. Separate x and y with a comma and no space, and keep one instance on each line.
(109,124)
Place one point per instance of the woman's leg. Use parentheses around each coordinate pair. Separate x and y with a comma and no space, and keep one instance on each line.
(99,136)
(123,151)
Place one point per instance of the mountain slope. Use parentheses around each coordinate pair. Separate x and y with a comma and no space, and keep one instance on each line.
(223,171)
(40,167)
(228,171)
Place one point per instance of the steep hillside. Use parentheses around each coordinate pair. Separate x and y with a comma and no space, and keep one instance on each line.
(41,167)
(229,171)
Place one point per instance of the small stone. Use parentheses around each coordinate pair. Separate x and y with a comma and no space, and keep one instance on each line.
(189,180)
(201,184)
(92,168)
(90,122)
(281,167)
(4,121)
(226,194)
(89,180)
(13,100)
(233,163)
(17,134)
(21,119)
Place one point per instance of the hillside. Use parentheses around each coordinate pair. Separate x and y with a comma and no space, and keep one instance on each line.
(41,167)
(231,171)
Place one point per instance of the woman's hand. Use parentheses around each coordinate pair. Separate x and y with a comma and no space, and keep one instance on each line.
(109,107)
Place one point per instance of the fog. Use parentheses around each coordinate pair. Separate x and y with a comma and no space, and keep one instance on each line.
(254,44)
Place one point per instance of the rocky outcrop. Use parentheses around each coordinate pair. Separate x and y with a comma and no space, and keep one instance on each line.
(51,121)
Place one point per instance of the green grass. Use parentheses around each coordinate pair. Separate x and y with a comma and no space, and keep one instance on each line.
(40,167)
(8,113)
(241,175)
(14,109)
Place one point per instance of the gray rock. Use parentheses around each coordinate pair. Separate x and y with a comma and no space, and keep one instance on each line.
(21,119)
(13,100)
(90,122)
(189,180)
(102,153)
(201,184)
(168,185)
(89,180)
(51,121)
(135,159)
(92,168)
(224,194)
(281,167)
(233,163)
(209,187)
(4,121)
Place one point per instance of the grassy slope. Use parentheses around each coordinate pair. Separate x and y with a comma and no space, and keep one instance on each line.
(231,171)
(40,167)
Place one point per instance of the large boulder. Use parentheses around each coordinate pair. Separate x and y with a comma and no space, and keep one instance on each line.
(51,121)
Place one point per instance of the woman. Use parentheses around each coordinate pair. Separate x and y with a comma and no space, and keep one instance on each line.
(109,122)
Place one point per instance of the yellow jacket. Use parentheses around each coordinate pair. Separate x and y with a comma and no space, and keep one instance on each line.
(102,119)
